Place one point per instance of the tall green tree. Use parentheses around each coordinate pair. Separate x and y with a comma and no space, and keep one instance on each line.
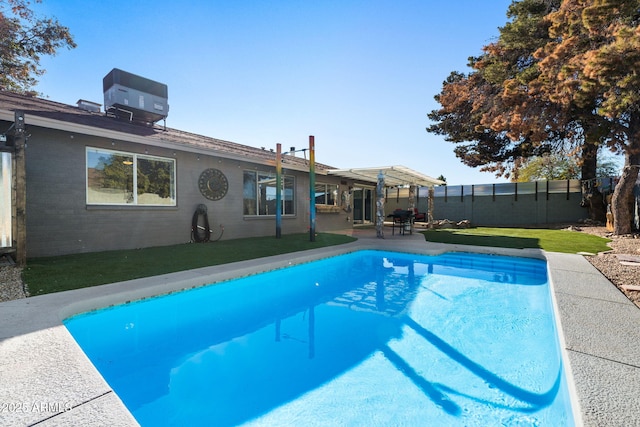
(24,39)
(554,166)
(511,118)
(483,112)
(548,167)
(563,78)
(591,63)
(459,122)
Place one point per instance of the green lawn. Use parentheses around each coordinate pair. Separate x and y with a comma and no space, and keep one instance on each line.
(55,274)
(550,240)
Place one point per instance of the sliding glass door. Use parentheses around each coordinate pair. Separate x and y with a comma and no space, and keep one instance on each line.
(362,205)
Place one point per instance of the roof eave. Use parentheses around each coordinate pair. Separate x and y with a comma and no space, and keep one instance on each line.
(49,123)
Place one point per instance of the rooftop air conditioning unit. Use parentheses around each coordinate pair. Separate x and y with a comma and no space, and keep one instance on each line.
(134,98)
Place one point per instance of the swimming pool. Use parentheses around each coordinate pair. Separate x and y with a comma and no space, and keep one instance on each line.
(368,338)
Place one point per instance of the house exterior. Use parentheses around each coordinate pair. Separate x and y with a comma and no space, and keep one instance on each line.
(81,167)
(76,179)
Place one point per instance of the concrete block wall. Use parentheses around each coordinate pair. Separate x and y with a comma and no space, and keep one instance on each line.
(507,210)
(504,205)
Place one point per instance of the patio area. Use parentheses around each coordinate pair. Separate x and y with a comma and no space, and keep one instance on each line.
(45,378)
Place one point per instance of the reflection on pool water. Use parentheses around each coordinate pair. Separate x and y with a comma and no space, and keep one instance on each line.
(368,338)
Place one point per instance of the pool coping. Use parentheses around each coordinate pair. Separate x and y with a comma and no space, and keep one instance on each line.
(46,379)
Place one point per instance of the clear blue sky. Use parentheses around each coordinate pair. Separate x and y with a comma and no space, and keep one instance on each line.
(358,75)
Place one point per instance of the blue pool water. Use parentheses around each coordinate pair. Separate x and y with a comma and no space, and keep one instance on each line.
(369,338)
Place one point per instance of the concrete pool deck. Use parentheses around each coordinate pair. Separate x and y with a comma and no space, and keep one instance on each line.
(46,379)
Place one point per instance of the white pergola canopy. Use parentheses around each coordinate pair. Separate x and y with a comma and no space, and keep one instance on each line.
(394,176)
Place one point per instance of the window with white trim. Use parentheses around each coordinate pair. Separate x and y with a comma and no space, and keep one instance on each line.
(259,193)
(112,177)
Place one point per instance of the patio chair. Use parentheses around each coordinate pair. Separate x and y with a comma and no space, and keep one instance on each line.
(419,216)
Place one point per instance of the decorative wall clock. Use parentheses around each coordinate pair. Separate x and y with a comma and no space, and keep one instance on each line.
(213,184)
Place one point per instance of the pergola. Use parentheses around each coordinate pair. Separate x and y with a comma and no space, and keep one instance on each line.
(390,176)
(394,176)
